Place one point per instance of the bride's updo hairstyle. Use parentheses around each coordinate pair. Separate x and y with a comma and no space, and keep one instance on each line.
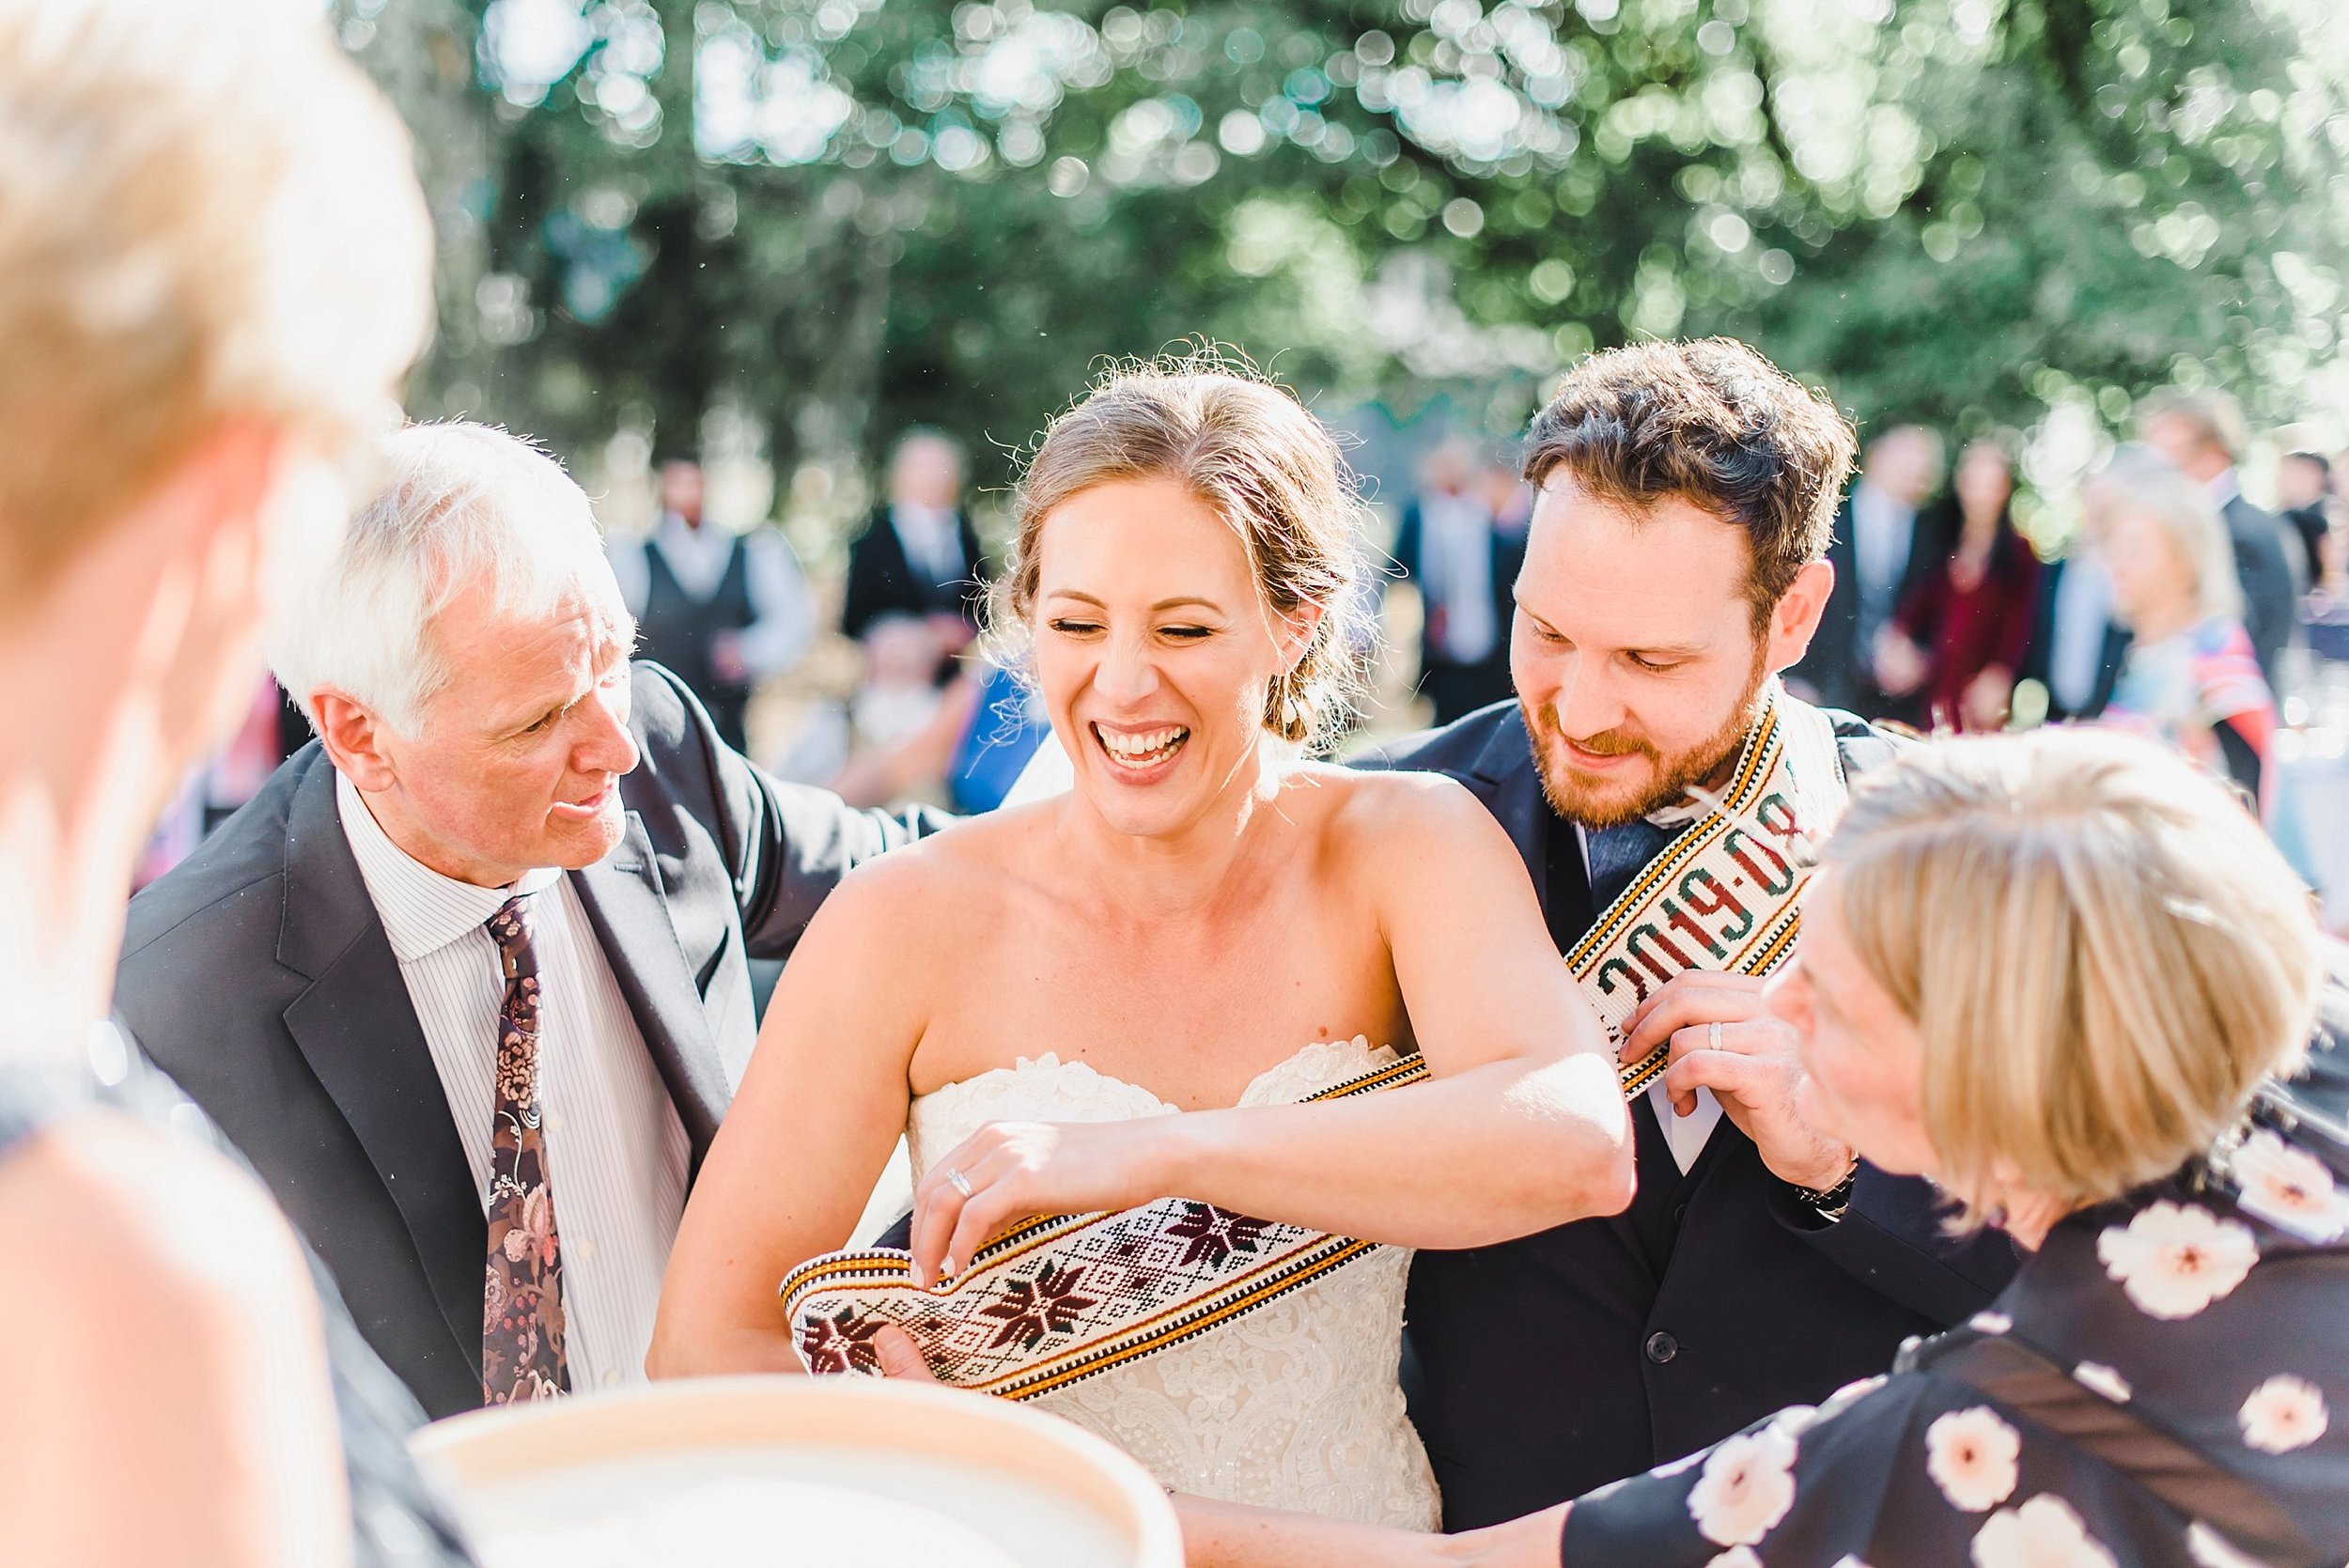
(1246,449)
(2103,953)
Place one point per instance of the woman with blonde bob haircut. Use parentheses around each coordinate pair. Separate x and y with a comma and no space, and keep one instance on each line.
(1206,922)
(2066,977)
(2192,679)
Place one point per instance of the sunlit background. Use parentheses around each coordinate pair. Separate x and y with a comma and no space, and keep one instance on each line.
(794,228)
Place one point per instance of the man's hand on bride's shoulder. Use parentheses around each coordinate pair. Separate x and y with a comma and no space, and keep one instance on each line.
(1008,1171)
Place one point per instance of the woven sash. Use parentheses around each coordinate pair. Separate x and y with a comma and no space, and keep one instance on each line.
(1725,894)
(1057,1299)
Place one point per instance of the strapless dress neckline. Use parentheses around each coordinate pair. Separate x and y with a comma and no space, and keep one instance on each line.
(1294,1405)
(1322,1064)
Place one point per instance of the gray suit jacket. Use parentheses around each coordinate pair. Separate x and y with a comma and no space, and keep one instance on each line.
(257,974)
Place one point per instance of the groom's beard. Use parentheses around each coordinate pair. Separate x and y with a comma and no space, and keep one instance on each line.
(1598,801)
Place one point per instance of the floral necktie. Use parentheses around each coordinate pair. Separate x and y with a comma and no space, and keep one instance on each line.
(522,1316)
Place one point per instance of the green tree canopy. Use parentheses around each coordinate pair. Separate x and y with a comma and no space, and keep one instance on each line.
(841,217)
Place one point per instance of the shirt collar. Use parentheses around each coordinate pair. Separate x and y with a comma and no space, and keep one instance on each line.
(2224,486)
(422,910)
(678,538)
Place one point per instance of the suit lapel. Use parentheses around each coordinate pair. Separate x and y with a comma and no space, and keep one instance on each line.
(1504,778)
(357,1029)
(630,910)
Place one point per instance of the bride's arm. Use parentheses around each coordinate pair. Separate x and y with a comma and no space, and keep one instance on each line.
(1521,1127)
(809,1132)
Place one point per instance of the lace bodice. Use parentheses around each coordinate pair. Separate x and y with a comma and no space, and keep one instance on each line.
(1292,1405)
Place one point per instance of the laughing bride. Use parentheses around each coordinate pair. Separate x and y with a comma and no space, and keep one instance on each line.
(1122,993)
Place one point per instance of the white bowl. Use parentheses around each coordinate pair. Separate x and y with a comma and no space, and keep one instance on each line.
(842,1472)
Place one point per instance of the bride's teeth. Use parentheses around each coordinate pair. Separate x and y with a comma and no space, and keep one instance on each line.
(1151,746)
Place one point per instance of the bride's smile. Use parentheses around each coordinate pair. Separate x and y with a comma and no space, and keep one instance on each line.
(1142,755)
(1157,654)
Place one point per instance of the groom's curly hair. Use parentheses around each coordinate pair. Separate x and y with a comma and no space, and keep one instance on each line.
(1711,422)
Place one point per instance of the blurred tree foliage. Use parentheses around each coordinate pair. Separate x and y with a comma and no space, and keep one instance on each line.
(838,217)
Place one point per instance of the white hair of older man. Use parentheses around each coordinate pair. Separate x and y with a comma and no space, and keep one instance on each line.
(461,505)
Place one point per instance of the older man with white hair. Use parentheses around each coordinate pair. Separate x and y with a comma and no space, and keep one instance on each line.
(467,981)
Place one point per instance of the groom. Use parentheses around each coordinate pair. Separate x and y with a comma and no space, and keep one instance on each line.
(1675,564)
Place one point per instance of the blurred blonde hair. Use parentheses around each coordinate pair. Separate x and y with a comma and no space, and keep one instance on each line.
(2139,481)
(2104,953)
(206,214)
(1246,447)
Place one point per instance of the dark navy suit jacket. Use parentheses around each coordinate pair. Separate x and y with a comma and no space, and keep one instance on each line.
(1545,1367)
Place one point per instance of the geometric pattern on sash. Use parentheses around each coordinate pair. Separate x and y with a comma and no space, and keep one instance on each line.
(1061,1298)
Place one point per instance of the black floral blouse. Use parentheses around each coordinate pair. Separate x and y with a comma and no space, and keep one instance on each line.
(2207,1316)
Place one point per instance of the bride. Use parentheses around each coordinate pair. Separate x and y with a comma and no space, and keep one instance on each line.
(1121,993)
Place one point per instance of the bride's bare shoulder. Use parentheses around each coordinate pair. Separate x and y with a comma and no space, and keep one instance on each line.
(1386,799)
(955,871)
(1375,816)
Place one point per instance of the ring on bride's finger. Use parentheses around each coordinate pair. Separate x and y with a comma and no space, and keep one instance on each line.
(961,1183)
(1714,1038)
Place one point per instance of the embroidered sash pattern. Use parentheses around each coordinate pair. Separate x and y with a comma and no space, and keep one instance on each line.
(1064,1297)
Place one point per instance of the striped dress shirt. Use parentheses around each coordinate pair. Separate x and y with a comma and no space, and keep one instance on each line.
(615,1150)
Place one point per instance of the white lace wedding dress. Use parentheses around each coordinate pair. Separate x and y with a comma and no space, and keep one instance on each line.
(1294,1404)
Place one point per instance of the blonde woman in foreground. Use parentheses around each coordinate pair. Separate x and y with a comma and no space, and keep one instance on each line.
(2066,977)
(1117,996)
(215,266)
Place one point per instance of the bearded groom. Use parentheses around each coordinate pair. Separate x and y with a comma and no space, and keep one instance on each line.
(1674,564)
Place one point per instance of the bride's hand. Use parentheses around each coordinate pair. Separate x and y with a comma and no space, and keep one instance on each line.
(1007,1171)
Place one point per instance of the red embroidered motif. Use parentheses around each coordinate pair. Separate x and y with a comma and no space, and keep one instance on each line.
(1032,1308)
(1208,1234)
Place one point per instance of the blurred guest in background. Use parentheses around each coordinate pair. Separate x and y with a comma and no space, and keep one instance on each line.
(919,557)
(215,267)
(721,611)
(2077,647)
(2191,679)
(2332,573)
(1878,556)
(471,854)
(905,722)
(1453,546)
(2202,434)
(1958,635)
(2304,490)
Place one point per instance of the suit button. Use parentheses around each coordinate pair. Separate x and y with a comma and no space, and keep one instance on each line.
(1661,1347)
(1680,1213)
